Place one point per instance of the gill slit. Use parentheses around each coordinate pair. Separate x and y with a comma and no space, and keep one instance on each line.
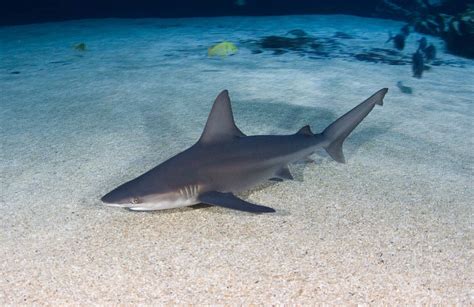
(189,191)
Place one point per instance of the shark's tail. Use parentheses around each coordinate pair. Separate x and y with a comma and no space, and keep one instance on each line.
(336,133)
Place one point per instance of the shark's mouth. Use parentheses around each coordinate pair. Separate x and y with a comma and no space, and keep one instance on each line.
(117,205)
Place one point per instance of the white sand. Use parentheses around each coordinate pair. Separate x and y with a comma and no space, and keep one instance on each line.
(393,225)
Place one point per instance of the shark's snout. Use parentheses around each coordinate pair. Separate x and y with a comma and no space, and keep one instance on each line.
(118,197)
(107,199)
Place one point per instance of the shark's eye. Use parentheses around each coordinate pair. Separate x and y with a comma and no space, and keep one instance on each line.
(135,200)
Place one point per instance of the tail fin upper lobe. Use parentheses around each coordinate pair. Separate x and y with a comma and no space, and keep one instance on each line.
(336,133)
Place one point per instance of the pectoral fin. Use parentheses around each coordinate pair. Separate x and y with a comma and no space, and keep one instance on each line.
(230,201)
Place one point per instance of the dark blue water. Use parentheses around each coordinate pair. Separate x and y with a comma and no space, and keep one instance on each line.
(27,11)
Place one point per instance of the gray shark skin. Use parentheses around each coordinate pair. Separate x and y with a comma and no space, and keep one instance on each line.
(225,161)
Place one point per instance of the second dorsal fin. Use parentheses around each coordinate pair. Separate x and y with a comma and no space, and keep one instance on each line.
(220,125)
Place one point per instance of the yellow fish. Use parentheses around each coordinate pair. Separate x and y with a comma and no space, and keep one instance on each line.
(222,49)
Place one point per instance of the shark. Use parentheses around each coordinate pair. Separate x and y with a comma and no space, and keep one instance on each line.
(225,161)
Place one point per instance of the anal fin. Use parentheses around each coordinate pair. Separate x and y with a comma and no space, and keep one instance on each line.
(283,173)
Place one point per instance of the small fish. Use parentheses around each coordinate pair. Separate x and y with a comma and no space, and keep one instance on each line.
(80,47)
(398,40)
(404,89)
(222,49)
(417,64)
(430,53)
(422,43)
(297,33)
(405,30)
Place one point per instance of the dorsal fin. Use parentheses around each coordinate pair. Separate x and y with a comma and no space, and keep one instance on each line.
(306,130)
(220,125)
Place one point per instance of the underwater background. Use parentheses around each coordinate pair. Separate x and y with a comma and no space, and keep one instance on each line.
(94,93)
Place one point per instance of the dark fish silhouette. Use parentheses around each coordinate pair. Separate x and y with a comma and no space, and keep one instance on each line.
(422,43)
(297,33)
(225,161)
(418,64)
(405,30)
(403,88)
(398,41)
(430,53)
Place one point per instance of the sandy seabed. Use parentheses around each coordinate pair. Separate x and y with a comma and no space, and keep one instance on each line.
(393,225)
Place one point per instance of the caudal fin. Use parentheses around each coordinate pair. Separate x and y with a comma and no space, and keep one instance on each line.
(336,133)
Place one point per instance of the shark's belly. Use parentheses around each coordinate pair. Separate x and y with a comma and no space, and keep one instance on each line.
(244,176)
(186,196)
(242,181)
(179,203)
